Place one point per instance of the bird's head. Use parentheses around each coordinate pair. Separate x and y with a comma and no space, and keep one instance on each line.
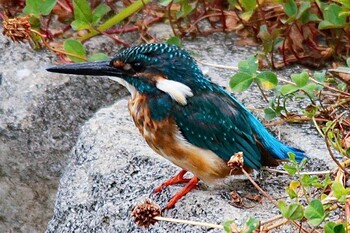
(149,68)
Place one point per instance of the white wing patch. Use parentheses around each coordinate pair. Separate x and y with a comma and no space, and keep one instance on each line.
(177,91)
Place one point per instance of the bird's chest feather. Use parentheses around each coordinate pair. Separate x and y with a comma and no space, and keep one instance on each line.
(157,133)
(164,137)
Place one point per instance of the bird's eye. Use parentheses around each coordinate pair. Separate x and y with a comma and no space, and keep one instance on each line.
(138,67)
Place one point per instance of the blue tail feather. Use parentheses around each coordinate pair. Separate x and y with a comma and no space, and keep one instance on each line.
(277,149)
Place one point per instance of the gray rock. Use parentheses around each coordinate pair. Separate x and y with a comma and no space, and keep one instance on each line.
(111,168)
(40,117)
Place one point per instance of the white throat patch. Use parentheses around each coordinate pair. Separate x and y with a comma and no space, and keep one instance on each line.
(124,83)
(177,91)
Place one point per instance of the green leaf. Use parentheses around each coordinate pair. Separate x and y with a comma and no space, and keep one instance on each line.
(339,228)
(74,47)
(269,113)
(241,81)
(308,180)
(342,86)
(320,76)
(293,211)
(300,79)
(82,11)
(164,2)
(291,157)
(327,181)
(346,3)
(290,169)
(302,163)
(186,9)
(99,12)
(348,62)
(267,38)
(98,57)
(314,212)
(46,6)
(232,3)
(174,40)
(290,8)
(326,25)
(248,5)
(250,225)
(249,66)
(227,226)
(332,17)
(310,111)
(39,7)
(267,80)
(308,16)
(339,191)
(291,193)
(32,7)
(288,89)
(246,15)
(80,25)
(303,9)
(332,227)
(310,88)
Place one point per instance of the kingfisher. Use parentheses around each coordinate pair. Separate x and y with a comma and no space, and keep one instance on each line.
(185,117)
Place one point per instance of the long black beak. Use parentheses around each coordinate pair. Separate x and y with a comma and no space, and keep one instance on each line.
(100,68)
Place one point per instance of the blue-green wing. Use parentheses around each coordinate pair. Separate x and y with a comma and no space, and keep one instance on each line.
(214,120)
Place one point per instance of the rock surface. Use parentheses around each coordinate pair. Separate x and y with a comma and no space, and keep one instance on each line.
(40,118)
(111,168)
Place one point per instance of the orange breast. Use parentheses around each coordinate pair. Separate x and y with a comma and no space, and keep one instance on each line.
(165,138)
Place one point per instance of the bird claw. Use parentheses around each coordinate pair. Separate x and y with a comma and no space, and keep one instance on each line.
(179,178)
(189,186)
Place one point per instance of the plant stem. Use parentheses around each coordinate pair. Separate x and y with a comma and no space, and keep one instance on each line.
(123,14)
(269,197)
(301,173)
(302,186)
(328,145)
(54,49)
(330,88)
(273,219)
(217,65)
(201,224)
(275,225)
(262,93)
(259,188)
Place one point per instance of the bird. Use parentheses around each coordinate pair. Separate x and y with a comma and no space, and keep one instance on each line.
(184,116)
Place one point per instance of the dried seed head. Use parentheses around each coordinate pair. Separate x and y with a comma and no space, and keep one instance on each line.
(145,212)
(18,29)
(236,161)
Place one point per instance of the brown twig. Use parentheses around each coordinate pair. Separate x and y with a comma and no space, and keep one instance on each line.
(54,49)
(259,188)
(330,88)
(331,152)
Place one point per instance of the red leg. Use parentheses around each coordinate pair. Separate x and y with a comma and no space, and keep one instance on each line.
(179,178)
(189,186)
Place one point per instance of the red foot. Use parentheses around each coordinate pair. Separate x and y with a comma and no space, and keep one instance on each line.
(179,178)
(191,185)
